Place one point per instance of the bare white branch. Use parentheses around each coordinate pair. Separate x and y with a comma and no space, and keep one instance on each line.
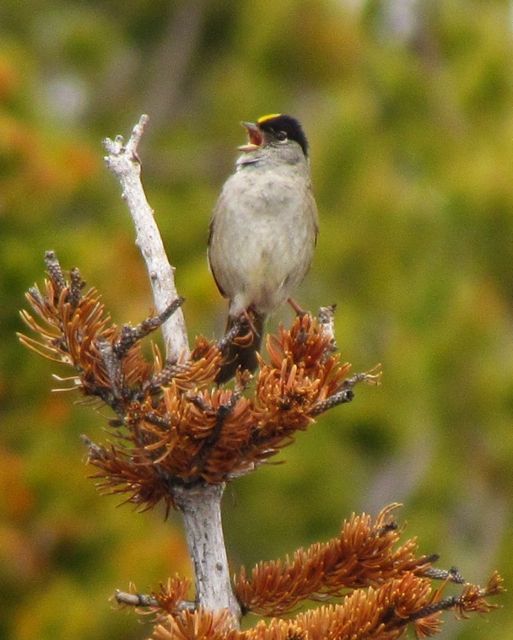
(201,509)
(123,161)
(200,505)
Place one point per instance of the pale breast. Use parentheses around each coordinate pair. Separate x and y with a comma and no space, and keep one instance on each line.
(262,237)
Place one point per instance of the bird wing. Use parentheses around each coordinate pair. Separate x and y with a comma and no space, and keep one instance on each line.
(210,234)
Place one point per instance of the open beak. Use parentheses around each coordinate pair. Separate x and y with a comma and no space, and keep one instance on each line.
(255,137)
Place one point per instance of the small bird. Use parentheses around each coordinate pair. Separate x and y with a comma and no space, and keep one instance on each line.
(263,231)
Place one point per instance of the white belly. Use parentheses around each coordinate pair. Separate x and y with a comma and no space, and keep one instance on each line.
(262,239)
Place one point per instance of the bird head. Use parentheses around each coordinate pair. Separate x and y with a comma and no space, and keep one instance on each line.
(274,129)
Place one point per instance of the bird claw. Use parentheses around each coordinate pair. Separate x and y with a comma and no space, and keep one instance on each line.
(299,311)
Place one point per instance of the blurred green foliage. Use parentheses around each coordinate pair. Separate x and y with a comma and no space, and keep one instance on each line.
(411,133)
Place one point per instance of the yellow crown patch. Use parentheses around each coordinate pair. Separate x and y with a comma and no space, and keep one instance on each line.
(269,116)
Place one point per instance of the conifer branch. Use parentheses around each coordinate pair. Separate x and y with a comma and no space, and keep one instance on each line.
(131,335)
(374,613)
(170,598)
(451,575)
(364,554)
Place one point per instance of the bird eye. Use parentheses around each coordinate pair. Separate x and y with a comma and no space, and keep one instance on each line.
(281,136)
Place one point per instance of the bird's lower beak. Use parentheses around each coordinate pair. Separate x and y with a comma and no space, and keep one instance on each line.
(255,137)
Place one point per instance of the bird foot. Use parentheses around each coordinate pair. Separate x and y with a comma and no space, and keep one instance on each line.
(297,309)
(245,318)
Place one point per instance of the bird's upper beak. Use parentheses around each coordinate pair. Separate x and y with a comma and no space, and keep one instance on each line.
(255,137)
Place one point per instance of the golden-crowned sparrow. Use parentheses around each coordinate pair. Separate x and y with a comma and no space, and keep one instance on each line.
(263,230)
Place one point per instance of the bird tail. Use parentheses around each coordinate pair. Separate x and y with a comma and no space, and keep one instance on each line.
(241,350)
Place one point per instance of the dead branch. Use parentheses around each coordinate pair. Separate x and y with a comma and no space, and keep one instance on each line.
(123,161)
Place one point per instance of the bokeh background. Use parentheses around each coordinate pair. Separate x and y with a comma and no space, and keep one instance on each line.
(408,108)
